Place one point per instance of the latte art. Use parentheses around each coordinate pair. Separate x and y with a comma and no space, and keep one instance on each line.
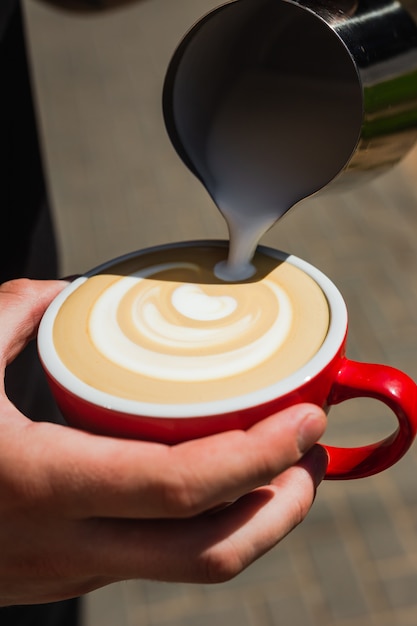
(188,332)
(192,302)
(168,330)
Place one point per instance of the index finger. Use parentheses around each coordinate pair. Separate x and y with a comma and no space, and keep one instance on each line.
(22,304)
(92,476)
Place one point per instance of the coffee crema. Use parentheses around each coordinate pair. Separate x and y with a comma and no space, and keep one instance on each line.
(162,328)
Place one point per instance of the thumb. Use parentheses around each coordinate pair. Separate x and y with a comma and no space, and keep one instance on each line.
(22,304)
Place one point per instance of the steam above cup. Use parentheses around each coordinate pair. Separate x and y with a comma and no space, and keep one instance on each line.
(154,346)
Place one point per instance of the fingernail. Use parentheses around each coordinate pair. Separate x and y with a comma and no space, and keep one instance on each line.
(315,462)
(310,431)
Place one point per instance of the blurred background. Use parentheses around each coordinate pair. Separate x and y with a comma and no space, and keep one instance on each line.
(117,185)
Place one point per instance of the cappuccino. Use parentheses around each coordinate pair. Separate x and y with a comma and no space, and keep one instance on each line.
(161,327)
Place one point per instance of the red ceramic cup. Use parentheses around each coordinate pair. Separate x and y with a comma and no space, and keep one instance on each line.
(328,378)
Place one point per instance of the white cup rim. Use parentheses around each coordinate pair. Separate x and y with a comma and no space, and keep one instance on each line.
(329,348)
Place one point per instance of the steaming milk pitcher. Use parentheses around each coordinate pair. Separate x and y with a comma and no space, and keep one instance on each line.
(330,84)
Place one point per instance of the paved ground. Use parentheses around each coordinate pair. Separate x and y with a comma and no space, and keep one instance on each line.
(117,185)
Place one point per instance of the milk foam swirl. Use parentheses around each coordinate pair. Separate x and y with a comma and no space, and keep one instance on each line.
(161,328)
(187,332)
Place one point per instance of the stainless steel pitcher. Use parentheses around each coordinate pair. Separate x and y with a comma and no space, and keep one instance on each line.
(363,51)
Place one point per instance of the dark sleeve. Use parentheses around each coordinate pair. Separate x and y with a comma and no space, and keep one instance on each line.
(22,187)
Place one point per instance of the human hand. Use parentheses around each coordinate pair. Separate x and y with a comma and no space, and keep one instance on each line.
(79,511)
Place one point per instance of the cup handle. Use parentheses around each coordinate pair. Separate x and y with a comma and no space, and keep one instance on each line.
(393,388)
